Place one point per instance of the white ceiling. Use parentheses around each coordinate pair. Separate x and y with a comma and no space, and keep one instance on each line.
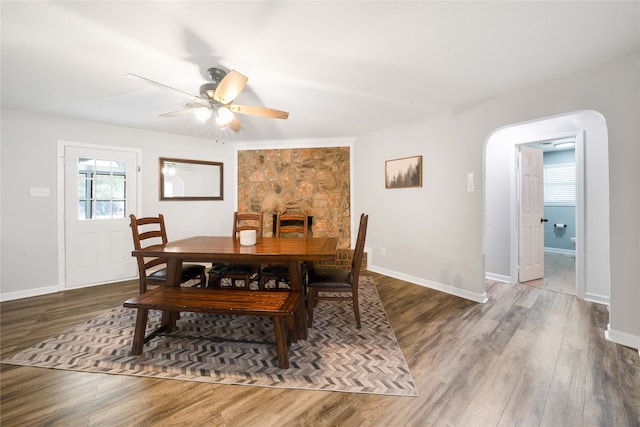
(342,69)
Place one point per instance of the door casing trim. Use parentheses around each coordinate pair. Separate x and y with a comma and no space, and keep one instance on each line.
(60,177)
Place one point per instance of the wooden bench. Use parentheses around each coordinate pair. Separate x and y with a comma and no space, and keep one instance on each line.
(283,307)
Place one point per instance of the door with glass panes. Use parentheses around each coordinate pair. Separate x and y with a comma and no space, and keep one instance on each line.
(100,193)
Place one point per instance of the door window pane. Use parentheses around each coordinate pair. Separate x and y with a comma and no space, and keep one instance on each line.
(101,189)
(117,187)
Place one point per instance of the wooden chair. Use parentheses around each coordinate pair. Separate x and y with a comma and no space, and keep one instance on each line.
(287,225)
(337,280)
(238,272)
(151,231)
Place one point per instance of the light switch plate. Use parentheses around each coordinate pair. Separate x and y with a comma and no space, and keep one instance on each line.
(39,191)
(470,183)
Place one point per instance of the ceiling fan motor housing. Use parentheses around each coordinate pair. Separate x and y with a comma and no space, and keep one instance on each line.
(208,89)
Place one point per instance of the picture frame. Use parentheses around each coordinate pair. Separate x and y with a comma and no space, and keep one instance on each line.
(184,179)
(403,173)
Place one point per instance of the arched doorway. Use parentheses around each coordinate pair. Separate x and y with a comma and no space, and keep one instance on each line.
(592,218)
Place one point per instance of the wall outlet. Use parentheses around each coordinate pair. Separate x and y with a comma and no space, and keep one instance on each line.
(471,186)
(383,251)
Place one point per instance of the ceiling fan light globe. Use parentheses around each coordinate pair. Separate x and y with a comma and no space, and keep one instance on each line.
(224,115)
(220,123)
(202,114)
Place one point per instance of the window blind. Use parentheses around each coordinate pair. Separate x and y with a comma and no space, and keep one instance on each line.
(560,184)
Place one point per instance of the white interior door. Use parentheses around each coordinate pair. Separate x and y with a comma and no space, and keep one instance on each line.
(531,265)
(99,194)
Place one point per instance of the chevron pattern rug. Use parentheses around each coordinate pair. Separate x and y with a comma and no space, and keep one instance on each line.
(241,350)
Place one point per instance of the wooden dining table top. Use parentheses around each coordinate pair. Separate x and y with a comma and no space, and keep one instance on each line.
(229,249)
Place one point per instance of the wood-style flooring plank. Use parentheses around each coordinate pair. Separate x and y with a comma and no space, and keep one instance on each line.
(529,356)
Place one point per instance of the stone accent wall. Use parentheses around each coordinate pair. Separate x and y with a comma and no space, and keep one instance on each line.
(311,180)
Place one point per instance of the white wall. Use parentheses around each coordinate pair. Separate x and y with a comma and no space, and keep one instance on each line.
(433,235)
(29,263)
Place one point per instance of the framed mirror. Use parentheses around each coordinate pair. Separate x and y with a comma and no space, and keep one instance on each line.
(182,179)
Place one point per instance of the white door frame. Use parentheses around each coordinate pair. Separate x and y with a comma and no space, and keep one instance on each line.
(578,136)
(580,235)
(61,145)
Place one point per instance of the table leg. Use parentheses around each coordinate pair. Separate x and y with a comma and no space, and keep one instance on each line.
(140,329)
(174,275)
(300,319)
(295,278)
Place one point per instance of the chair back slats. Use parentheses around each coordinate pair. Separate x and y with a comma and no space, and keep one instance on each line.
(147,232)
(152,262)
(238,273)
(150,231)
(360,240)
(292,224)
(146,229)
(358,253)
(287,225)
(147,236)
(248,221)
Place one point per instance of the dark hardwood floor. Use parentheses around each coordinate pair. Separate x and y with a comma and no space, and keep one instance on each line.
(529,357)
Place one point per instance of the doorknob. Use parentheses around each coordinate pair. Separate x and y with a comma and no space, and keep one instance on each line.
(544,220)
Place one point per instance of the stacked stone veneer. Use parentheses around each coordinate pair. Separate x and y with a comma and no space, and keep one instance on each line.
(312,180)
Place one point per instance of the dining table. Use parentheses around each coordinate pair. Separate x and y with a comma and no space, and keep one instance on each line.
(289,251)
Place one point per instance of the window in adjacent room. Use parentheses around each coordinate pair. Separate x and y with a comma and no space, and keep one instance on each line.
(560,184)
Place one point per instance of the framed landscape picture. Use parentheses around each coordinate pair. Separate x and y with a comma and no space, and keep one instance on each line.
(403,173)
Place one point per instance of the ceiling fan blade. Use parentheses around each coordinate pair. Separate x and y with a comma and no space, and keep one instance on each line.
(163,86)
(230,87)
(259,111)
(190,108)
(234,124)
(175,113)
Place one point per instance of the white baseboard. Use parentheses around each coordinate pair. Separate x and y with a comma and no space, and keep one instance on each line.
(498,277)
(560,251)
(600,299)
(622,338)
(462,293)
(10,296)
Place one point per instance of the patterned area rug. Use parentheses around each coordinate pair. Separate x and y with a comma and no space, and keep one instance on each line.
(241,350)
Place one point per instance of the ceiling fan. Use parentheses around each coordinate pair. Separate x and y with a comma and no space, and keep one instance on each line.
(216,99)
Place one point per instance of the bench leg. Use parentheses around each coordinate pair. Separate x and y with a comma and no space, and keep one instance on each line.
(281,343)
(138,335)
(292,328)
